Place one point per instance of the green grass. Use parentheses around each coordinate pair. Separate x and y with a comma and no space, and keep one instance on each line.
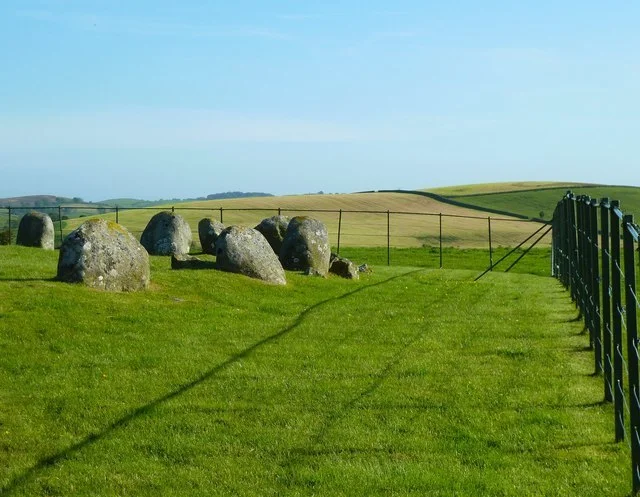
(408,382)
(537,261)
(532,203)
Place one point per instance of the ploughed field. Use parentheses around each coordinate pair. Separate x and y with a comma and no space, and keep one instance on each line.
(410,381)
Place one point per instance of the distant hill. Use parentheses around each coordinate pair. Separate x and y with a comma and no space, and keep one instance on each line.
(40,201)
(132,202)
(533,200)
(76,207)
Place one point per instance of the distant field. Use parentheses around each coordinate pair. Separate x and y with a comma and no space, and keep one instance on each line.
(543,201)
(480,188)
(468,230)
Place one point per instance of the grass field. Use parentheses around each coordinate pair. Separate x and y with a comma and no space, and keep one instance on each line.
(409,382)
(504,187)
(532,203)
(537,261)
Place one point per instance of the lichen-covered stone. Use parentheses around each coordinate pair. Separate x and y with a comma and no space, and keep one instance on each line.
(208,231)
(246,251)
(167,233)
(102,254)
(306,246)
(274,228)
(343,268)
(36,230)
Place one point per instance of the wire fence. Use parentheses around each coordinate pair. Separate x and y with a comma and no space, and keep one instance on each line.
(383,232)
(600,272)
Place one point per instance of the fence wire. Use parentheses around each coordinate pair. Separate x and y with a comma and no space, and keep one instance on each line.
(347,228)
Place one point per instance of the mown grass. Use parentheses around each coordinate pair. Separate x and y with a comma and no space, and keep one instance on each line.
(537,261)
(408,382)
(544,201)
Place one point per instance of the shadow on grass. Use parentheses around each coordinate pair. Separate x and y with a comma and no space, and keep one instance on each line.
(124,421)
(343,410)
(579,348)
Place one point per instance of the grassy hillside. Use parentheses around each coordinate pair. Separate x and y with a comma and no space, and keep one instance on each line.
(214,384)
(481,188)
(544,200)
(469,228)
(126,203)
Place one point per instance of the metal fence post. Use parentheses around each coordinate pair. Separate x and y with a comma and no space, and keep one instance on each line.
(221,216)
(632,346)
(580,258)
(490,246)
(60,222)
(573,247)
(587,270)
(584,269)
(388,238)
(440,238)
(117,215)
(339,229)
(10,238)
(595,288)
(616,303)
(566,244)
(606,298)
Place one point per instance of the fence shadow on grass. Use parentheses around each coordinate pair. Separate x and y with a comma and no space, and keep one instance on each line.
(124,421)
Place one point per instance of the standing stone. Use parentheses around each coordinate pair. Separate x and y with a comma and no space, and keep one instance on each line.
(166,233)
(274,229)
(36,230)
(102,254)
(208,231)
(246,251)
(306,246)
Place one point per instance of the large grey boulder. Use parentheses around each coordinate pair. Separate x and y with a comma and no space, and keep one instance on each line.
(208,231)
(246,251)
(166,233)
(306,246)
(343,267)
(274,229)
(102,254)
(36,230)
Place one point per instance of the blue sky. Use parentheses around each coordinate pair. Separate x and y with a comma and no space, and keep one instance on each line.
(155,99)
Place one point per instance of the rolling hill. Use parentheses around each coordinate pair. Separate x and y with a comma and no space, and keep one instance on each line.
(536,200)
(413,220)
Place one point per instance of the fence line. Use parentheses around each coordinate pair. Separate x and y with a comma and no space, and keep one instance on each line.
(350,227)
(596,274)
